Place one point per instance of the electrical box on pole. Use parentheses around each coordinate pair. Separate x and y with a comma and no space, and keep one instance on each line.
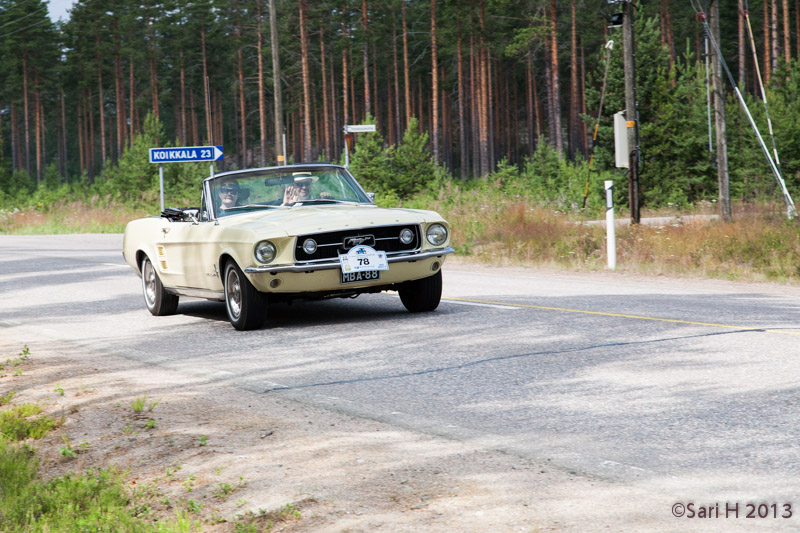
(621,147)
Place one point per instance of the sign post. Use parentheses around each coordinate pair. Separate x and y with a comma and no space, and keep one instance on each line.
(186,154)
(353,128)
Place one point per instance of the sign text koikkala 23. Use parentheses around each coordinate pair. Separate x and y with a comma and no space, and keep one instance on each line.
(187,154)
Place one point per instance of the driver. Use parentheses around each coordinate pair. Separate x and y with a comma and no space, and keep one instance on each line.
(229,194)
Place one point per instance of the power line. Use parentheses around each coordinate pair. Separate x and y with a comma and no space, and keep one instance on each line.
(22,18)
(23,29)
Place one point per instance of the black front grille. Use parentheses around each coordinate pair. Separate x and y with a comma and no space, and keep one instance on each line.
(332,243)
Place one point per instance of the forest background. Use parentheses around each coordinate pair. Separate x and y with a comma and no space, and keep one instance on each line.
(476,102)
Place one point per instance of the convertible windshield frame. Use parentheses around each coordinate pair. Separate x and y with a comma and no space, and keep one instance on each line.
(266,188)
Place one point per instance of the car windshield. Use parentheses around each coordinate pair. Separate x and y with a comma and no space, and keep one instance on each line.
(283,188)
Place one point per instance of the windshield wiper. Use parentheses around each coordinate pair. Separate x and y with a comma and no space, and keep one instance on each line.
(250,206)
(324,201)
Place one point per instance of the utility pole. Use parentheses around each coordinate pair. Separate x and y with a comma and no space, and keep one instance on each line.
(718,89)
(631,115)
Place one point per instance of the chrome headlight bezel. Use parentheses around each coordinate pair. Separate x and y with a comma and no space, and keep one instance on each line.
(436,234)
(265,252)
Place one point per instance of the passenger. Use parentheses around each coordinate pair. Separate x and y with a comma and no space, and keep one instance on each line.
(300,190)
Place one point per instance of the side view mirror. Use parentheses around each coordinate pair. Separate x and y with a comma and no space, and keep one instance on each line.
(371,196)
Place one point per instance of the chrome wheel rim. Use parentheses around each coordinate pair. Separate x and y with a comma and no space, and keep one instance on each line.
(233,293)
(149,283)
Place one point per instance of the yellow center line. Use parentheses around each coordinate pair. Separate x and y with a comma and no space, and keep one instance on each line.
(620,315)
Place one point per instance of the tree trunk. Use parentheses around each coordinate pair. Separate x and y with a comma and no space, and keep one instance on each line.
(91,157)
(306,83)
(276,84)
(365,25)
(667,39)
(345,76)
(797,27)
(262,104)
(242,106)
(375,94)
(406,72)
(101,105)
(575,144)
(462,125)
(119,90)
(2,140)
(767,47)
(390,112)
(326,113)
(773,28)
(131,99)
(206,87)
(529,109)
(64,159)
(491,93)
(81,133)
(154,70)
(475,98)
(741,52)
(26,113)
(195,123)
(184,121)
(38,119)
(397,121)
(558,142)
(15,142)
(787,38)
(435,88)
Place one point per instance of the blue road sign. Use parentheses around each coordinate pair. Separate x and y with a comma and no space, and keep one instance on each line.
(187,154)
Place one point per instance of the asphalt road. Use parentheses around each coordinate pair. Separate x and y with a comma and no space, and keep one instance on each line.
(691,385)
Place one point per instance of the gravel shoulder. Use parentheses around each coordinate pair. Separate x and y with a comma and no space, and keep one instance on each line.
(223,454)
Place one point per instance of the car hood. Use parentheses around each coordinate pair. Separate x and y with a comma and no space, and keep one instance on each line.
(311,219)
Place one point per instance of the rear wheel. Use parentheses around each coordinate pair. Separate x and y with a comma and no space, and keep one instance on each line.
(158,301)
(247,308)
(422,294)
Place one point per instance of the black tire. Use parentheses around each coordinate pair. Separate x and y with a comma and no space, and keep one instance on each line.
(246,307)
(158,301)
(422,295)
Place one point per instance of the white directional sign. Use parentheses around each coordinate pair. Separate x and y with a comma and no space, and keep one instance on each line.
(187,154)
(359,128)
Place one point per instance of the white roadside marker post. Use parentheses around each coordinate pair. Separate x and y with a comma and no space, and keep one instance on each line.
(611,238)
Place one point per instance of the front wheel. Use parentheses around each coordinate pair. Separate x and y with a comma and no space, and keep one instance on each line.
(422,294)
(247,308)
(158,301)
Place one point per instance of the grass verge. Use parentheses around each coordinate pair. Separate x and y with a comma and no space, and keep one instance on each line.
(495,226)
(102,497)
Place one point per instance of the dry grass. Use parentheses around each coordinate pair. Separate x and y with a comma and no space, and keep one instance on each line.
(95,216)
(760,244)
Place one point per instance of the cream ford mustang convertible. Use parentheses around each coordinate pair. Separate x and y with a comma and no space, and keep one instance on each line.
(283,233)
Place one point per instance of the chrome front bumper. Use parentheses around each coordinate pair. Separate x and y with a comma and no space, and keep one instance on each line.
(330,265)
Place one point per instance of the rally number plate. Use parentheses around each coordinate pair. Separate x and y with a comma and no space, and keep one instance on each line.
(362,263)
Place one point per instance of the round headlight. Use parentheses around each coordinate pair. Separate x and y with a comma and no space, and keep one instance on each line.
(437,234)
(265,252)
(309,246)
(406,236)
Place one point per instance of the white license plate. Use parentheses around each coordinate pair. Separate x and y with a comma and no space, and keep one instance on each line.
(360,275)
